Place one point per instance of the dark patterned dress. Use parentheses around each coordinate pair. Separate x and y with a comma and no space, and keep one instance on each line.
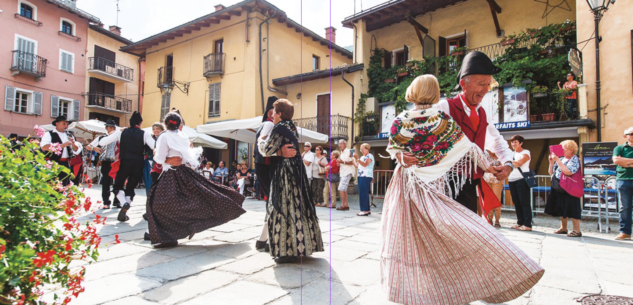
(293,226)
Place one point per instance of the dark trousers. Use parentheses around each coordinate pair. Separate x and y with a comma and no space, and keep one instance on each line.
(106,181)
(263,175)
(147,179)
(65,177)
(520,192)
(363,193)
(154,176)
(130,170)
(467,196)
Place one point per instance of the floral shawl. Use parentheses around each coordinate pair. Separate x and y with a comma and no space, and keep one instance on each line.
(443,151)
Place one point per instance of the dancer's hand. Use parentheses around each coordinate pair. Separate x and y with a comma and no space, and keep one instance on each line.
(287,151)
(174,161)
(408,158)
(503,172)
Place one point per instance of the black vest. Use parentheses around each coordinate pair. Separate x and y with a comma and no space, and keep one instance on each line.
(132,144)
(258,156)
(56,139)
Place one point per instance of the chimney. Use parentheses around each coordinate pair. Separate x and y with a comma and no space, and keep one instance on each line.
(330,34)
(115,29)
(219,7)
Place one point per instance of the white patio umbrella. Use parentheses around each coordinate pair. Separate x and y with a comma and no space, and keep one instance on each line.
(84,129)
(245,130)
(199,139)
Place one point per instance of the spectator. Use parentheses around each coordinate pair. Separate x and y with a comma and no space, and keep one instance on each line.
(346,171)
(241,176)
(497,188)
(221,173)
(560,203)
(318,176)
(308,158)
(332,180)
(623,157)
(234,168)
(365,176)
(519,189)
(571,85)
(207,172)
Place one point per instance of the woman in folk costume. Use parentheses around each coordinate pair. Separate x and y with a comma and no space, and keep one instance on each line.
(262,167)
(433,249)
(182,202)
(293,226)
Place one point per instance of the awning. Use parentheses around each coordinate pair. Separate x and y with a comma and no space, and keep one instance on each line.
(245,130)
(199,139)
(549,133)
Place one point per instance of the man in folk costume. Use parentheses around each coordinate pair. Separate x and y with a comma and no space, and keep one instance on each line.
(108,154)
(67,142)
(475,79)
(132,143)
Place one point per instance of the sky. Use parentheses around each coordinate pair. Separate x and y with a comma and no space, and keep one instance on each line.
(140,19)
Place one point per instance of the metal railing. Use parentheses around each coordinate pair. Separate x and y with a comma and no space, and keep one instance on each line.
(109,101)
(28,63)
(110,67)
(165,75)
(214,64)
(335,126)
(380,184)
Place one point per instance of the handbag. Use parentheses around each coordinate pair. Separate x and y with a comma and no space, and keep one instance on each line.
(556,184)
(529,177)
(333,177)
(574,184)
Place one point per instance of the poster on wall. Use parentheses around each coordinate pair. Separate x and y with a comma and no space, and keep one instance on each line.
(597,162)
(490,103)
(387,115)
(515,104)
(242,152)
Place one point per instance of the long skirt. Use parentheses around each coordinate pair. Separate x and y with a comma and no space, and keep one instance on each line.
(317,189)
(436,251)
(183,202)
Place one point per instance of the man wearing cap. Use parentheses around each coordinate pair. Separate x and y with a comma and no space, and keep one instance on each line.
(132,143)
(67,142)
(475,79)
(108,154)
(308,157)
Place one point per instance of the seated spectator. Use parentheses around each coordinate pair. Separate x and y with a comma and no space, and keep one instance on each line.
(221,174)
(241,176)
(207,172)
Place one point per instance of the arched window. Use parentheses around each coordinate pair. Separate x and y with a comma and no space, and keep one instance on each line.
(26,11)
(67,27)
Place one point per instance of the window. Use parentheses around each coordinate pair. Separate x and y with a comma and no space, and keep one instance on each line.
(455,42)
(21,102)
(26,11)
(164,107)
(66,61)
(315,63)
(219,46)
(214,100)
(67,27)
(64,106)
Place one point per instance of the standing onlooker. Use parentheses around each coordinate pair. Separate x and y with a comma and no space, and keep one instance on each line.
(623,157)
(331,181)
(346,164)
(365,177)
(497,188)
(572,98)
(318,176)
(519,189)
(308,158)
(562,204)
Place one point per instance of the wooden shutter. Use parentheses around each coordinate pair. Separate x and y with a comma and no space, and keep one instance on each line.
(76,105)
(37,103)
(214,99)
(164,107)
(218,93)
(67,62)
(9,98)
(464,43)
(54,106)
(442,50)
(105,53)
(387,59)
(406,53)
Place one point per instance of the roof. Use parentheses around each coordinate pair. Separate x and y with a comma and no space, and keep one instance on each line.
(227,13)
(110,34)
(70,6)
(391,12)
(318,74)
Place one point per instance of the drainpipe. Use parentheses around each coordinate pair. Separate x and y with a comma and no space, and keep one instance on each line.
(140,83)
(343,77)
(261,76)
(268,64)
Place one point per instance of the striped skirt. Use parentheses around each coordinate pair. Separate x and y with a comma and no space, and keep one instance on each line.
(434,251)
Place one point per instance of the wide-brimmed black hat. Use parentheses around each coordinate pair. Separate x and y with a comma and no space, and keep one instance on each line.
(136,119)
(61,118)
(476,63)
(269,105)
(110,123)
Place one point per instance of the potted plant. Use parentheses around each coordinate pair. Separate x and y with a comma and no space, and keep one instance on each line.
(539,91)
(532,31)
(508,40)
(458,51)
(534,118)
(389,80)
(402,71)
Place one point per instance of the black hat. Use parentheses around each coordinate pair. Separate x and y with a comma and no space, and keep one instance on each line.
(476,63)
(110,123)
(61,118)
(269,105)
(13,136)
(136,119)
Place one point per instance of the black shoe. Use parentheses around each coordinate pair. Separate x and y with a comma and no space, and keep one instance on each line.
(267,248)
(286,259)
(146,236)
(145,216)
(122,214)
(260,244)
(116,205)
(168,244)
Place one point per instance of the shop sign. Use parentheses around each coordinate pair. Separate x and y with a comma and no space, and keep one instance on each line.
(512,125)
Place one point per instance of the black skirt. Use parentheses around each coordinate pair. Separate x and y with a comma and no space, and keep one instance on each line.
(183,202)
(563,205)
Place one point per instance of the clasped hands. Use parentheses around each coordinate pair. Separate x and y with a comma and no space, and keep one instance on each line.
(501,172)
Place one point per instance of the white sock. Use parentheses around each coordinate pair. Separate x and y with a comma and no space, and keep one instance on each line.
(264,236)
(121,197)
(128,199)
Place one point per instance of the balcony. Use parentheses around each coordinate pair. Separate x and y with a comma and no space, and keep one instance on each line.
(214,64)
(29,64)
(335,126)
(165,76)
(109,102)
(110,69)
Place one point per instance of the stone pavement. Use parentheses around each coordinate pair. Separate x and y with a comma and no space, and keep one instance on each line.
(221,265)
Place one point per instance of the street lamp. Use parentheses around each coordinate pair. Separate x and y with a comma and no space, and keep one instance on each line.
(598,7)
(165,89)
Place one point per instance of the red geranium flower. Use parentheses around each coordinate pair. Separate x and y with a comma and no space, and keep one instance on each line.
(2,248)
(116,238)
(44,258)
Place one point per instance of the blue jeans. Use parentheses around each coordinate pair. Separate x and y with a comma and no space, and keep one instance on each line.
(363,193)
(625,192)
(147,178)
(572,108)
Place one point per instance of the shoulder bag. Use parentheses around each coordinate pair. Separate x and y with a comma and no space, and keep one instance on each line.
(574,184)
(528,177)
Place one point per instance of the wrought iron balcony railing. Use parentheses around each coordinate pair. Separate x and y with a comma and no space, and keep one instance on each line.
(165,75)
(110,102)
(28,63)
(111,68)
(335,126)
(214,64)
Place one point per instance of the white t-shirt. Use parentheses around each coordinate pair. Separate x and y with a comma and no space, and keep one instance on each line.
(346,169)
(515,175)
(309,157)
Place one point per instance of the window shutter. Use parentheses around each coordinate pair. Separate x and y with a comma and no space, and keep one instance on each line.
(63,59)
(406,53)
(37,103)
(211,99)
(442,50)
(76,104)
(9,98)
(217,99)
(70,61)
(54,106)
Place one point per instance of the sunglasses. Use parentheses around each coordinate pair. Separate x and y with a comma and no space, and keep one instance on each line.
(628,134)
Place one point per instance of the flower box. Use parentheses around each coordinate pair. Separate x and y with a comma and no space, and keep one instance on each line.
(508,42)
(543,52)
(565,29)
(548,117)
(389,80)
(534,118)
(458,53)
(539,94)
(400,74)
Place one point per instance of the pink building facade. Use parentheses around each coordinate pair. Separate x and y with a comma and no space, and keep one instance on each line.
(42,62)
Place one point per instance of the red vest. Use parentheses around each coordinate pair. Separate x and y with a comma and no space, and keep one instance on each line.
(463,120)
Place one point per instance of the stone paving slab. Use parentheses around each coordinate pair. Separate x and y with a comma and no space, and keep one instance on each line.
(126,264)
(320,292)
(189,287)
(250,264)
(114,287)
(240,293)
(286,276)
(176,269)
(131,301)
